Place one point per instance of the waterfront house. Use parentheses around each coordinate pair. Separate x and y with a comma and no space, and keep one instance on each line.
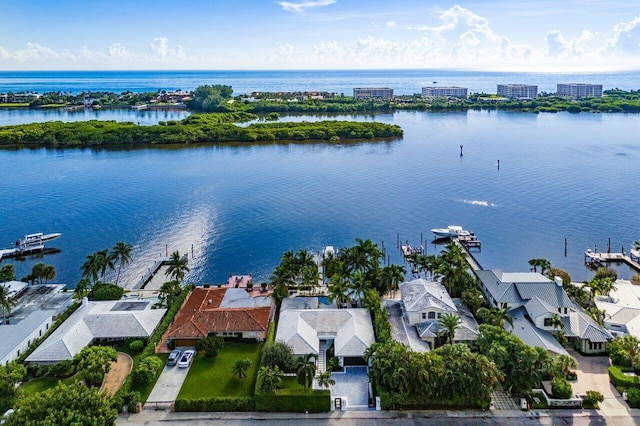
(98,321)
(424,303)
(315,328)
(622,309)
(543,302)
(225,312)
(36,310)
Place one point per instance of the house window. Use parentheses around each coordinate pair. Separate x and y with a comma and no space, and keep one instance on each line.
(432,315)
(565,310)
(424,315)
(547,322)
(439,315)
(559,310)
(40,331)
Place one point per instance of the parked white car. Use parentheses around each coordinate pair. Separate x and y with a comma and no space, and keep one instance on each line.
(187,358)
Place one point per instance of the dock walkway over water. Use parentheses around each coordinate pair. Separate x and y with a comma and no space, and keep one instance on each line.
(597,259)
(471,260)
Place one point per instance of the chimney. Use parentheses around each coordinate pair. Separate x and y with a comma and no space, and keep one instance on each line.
(558,280)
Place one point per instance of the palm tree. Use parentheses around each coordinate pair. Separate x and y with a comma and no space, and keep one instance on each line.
(48,273)
(556,322)
(168,292)
(338,290)
(105,262)
(83,287)
(270,379)
(177,266)
(396,275)
(7,273)
(306,370)
(450,323)
(310,276)
(240,368)
(631,344)
(121,253)
(6,302)
(501,315)
(325,380)
(359,283)
(429,263)
(565,363)
(91,267)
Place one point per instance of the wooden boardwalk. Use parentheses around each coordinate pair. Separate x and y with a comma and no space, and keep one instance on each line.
(473,263)
(600,259)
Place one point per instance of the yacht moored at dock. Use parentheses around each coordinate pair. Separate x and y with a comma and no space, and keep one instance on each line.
(452,231)
(30,243)
(36,239)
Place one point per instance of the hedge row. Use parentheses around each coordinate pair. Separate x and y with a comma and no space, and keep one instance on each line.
(619,379)
(294,401)
(221,403)
(396,401)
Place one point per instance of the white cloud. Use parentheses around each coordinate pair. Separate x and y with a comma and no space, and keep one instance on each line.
(391,24)
(557,45)
(626,37)
(160,47)
(117,49)
(300,7)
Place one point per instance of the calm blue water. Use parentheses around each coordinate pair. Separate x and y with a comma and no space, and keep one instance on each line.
(561,176)
(404,82)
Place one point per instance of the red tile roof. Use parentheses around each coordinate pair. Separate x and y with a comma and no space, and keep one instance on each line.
(201,314)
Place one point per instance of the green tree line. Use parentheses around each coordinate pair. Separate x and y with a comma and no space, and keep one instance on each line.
(202,128)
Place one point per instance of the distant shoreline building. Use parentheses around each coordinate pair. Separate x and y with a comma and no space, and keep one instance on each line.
(518,91)
(579,90)
(444,92)
(372,92)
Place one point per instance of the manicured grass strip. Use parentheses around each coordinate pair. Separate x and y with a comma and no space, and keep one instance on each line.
(210,377)
(291,383)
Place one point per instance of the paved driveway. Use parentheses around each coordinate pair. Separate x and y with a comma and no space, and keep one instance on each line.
(167,387)
(593,375)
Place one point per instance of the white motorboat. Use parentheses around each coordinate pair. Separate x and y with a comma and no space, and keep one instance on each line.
(452,231)
(37,239)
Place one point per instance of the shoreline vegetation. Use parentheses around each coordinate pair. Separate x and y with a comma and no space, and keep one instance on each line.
(199,128)
(218,98)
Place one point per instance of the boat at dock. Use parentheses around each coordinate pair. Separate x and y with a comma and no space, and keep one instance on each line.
(36,239)
(30,243)
(452,231)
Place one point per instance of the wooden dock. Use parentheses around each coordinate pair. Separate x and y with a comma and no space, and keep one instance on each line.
(596,259)
(471,260)
(407,250)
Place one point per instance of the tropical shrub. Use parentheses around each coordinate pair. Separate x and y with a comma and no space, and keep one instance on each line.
(633,397)
(593,398)
(211,345)
(561,389)
(136,346)
(106,291)
(220,403)
(146,370)
(278,354)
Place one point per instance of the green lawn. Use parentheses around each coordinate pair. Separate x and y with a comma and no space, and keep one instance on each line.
(209,377)
(43,383)
(291,383)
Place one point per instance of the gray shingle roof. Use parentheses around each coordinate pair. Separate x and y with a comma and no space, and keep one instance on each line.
(532,335)
(350,329)
(96,320)
(548,291)
(12,335)
(502,292)
(420,294)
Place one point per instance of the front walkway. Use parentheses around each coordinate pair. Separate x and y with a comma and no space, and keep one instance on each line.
(501,400)
(352,385)
(117,374)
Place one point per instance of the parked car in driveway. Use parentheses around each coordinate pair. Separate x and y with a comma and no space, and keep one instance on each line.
(187,358)
(174,357)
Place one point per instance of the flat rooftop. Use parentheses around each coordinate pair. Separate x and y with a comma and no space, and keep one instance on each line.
(38,298)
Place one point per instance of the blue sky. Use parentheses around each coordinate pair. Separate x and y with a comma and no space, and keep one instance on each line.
(537,35)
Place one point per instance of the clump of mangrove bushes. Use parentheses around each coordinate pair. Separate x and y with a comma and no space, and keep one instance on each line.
(215,127)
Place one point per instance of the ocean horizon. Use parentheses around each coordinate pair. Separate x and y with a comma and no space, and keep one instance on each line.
(404,82)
